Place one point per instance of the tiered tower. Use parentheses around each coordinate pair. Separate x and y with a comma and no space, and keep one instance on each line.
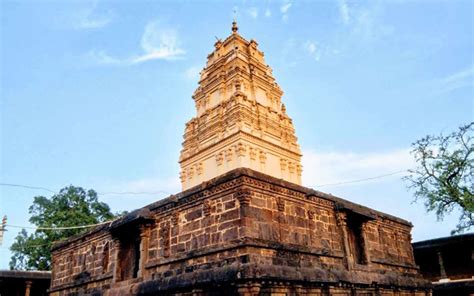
(240,120)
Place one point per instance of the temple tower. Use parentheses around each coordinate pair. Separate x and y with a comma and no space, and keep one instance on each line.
(240,120)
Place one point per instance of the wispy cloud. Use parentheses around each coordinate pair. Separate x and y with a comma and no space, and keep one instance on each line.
(460,79)
(284,8)
(192,73)
(157,43)
(334,167)
(253,12)
(92,18)
(344,11)
(102,58)
(96,22)
(362,27)
(288,49)
(313,49)
(268,12)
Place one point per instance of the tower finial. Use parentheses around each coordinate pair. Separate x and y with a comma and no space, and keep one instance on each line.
(234,23)
(234,27)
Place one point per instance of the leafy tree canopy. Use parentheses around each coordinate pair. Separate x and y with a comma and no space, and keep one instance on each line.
(444,177)
(72,206)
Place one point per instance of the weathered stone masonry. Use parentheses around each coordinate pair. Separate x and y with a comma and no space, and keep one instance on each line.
(243,233)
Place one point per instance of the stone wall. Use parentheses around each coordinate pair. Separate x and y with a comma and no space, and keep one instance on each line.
(448,262)
(243,233)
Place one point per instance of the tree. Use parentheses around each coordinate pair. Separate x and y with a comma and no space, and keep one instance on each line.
(72,206)
(444,177)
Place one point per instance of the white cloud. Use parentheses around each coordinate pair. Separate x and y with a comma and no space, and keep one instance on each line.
(159,43)
(253,12)
(101,57)
(91,18)
(457,80)
(288,50)
(95,23)
(312,49)
(363,26)
(344,11)
(156,43)
(367,24)
(335,167)
(268,12)
(192,73)
(388,194)
(285,7)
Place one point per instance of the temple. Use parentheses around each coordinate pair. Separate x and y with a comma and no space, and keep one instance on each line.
(243,224)
(240,119)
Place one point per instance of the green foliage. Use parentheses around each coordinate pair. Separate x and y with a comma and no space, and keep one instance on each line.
(444,177)
(72,206)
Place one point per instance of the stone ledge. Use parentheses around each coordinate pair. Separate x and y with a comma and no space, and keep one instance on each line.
(81,283)
(243,243)
(236,272)
(24,274)
(388,262)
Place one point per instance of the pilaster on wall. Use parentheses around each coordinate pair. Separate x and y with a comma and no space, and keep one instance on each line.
(116,260)
(342,223)
(364,231)
(144,242)
(350,260)
(249,289)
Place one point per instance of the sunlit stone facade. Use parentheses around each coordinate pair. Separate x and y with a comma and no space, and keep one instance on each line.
(240,120)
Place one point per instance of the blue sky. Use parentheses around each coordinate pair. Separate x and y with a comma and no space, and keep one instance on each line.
(96,93)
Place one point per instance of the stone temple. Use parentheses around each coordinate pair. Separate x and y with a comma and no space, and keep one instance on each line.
(243,224)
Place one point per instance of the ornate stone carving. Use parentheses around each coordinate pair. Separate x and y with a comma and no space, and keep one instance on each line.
(291,167)
(199,168)
(262,156)
(175,218)
(229,154)
(190,173)
(238,105)
(253,153)
(165,236)
(299,169)
(280,204)
(341,218)
(206,208)
(283,163)
(182,175)
(219,158)
(243,196)
(240,149)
